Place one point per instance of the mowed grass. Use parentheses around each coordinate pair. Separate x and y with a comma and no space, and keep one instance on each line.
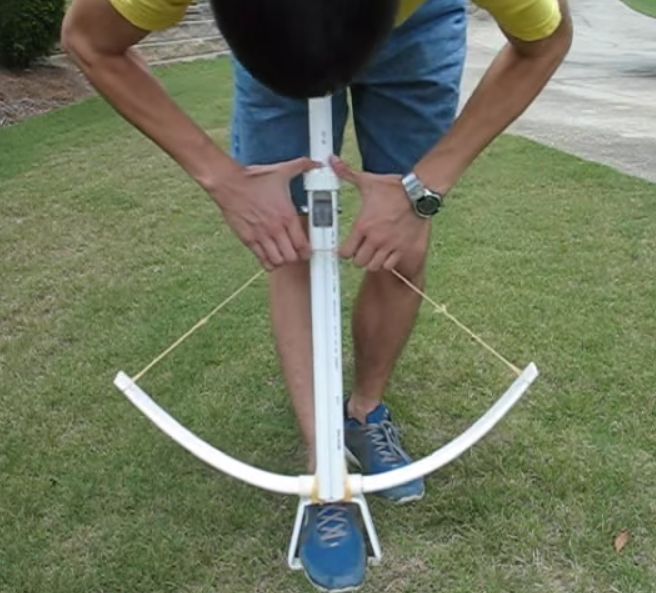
(647,7)
(109,253)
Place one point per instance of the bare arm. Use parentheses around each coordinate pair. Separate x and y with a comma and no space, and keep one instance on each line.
(387,227)
(515,78)
(255,201)
(100,41)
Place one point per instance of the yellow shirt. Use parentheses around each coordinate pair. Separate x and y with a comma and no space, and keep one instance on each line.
(528,20)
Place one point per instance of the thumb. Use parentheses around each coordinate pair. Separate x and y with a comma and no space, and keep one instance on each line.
(343,171)
(298,166)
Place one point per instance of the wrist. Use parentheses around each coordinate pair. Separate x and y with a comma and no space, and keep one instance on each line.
(441,168)
(434,177)
(216,175)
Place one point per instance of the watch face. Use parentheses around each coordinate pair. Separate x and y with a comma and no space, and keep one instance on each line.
(428,205)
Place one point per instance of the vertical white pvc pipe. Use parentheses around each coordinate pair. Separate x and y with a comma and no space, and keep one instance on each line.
(322,186)
(321,129)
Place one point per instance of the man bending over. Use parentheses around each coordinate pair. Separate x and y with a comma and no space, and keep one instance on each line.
(401,61)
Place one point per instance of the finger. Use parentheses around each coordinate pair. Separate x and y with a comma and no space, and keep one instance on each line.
(343,171)
(350,246)
(272,252)
(378,260)
(286,247)
(259,253)
(299,238)
(392,261)
(364,254)
(301,165)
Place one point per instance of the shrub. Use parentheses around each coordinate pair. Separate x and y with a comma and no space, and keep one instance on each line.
(28,30)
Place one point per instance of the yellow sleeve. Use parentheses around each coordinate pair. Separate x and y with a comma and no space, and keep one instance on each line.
(152,15)
(528,20)
(406,9)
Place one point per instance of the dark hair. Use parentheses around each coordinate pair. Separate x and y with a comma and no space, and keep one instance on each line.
(304,48)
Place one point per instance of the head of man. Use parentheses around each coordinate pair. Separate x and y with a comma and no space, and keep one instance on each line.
(304,48)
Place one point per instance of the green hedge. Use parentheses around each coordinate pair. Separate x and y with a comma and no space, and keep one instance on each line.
(28,30)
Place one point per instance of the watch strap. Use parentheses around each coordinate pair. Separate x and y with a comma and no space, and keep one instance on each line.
(414,188)
(416,191)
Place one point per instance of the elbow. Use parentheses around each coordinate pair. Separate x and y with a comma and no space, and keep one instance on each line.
(561,40)
(67,37)
(567,37)
(550,51)
(554,53)
(75,44)
(563,37)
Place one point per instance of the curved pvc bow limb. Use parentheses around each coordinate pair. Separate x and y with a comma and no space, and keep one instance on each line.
(297,485)
(304,485)
(452,450)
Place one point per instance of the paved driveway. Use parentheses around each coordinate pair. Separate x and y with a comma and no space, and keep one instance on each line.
(601,105)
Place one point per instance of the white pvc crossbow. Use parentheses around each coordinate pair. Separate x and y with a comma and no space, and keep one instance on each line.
(331,482)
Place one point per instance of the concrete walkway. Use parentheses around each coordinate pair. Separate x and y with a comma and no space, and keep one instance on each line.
(601,105)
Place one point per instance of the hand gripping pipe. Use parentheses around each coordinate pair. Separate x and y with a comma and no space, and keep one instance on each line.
(331,481)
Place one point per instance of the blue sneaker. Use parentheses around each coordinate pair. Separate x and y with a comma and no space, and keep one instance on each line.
(332,547)
(375,448)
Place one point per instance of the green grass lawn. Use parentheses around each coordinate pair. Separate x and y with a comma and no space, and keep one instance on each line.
(108,253)
(647,7)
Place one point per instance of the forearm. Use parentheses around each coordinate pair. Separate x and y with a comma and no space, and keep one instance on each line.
(124,80)
(509,86)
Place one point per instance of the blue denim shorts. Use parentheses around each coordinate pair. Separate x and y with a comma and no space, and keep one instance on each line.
(403,102)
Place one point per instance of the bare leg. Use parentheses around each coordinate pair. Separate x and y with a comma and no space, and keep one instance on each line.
(384,316)
(385,313)
(289,290)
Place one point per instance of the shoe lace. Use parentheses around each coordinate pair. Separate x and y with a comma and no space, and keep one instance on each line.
(385,439)
(332,524)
